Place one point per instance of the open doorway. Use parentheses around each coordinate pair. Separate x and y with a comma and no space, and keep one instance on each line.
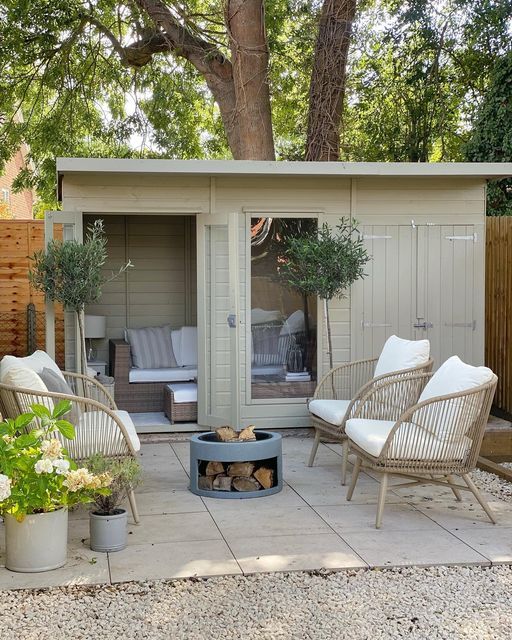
(149,345)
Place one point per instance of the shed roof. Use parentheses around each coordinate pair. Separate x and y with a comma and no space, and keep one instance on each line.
(267,168)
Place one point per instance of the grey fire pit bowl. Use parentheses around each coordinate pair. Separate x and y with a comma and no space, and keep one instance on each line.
(206,448)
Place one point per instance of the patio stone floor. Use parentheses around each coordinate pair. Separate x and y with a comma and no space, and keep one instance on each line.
(308,526)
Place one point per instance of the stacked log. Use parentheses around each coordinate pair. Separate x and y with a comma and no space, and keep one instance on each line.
(235,476)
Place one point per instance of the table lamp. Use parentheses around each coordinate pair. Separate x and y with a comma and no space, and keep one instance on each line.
(94,327)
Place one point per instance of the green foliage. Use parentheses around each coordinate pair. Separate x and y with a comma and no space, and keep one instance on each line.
(125,473)
(324,264)
(71,273)
(491,139)
(40,207)
(37,474)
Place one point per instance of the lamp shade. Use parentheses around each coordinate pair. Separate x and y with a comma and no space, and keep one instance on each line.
(95,326)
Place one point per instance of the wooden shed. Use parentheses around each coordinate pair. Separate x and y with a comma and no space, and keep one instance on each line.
(204,238)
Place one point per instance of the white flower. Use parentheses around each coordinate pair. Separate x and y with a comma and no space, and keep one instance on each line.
(61,467)
(5,487)
(44,466)
(52,449)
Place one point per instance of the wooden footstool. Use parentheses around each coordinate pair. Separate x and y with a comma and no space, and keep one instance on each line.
(180,401)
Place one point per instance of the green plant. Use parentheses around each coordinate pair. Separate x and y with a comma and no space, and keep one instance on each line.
(37,474)
(325,264)
(125,474)
(72,273)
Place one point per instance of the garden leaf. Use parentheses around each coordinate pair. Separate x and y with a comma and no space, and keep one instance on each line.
(66,429)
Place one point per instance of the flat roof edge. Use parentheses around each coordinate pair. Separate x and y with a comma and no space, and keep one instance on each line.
(271,168)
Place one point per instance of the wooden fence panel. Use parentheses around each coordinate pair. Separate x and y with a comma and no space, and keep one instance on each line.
(498,307)
(20,239)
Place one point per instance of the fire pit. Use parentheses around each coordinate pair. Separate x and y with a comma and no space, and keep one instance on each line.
(236,469)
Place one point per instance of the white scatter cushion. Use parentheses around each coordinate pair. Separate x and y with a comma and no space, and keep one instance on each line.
(26,378)
(371,436)
(151,347)
(294,323)
(184,392)
(176,345)
(189,346)
(38,361)
(87,431)
(332,411)
(262,316)
(454,376)
(399,354)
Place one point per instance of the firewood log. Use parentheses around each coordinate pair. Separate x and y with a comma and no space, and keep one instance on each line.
(222,483)
(244,469)
(246,484)
(247,433)
(205,482)
(226,434)
(265,477)
(213,468)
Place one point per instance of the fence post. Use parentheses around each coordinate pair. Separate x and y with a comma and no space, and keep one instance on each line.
(31,329)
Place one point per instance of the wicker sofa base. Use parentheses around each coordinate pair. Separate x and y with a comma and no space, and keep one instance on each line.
(178,411)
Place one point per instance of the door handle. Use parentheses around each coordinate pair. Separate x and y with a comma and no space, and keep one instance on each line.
(423,325)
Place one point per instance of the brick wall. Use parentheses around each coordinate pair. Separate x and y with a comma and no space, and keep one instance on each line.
(21,203)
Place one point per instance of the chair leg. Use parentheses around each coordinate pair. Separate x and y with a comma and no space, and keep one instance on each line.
(451,481)
(314,449)
(355,474)
(382,499)
(474,490)
(133,506)
(344,461)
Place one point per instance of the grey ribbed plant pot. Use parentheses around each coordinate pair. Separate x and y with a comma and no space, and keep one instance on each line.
(108,533)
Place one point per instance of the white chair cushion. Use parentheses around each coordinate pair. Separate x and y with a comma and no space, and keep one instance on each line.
(454,376)
(26,378)
(294,323)
(398,354)
(38,361)
(175,374)
(176,345)
(87,430)
(189,346)
(262,316)
(332,411)
(184,392)
(371,435)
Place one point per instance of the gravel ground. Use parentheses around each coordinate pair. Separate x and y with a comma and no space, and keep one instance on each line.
(440,602)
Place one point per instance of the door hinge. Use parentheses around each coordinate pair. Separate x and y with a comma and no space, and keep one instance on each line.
(369,325)
(464,325)
(472,238)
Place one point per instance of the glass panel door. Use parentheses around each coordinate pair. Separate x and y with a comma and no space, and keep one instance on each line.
(283,322)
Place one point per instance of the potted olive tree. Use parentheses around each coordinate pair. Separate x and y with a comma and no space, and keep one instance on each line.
(108,520)
(324,262)
(72,274)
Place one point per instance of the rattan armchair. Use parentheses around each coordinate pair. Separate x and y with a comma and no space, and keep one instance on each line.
(428,443)
(349,382)
(99,426)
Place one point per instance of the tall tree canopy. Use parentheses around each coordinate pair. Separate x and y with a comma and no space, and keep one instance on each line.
(293,79)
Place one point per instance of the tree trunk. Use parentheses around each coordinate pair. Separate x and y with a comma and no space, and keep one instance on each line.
(327,88)
(245,22)
(328,332)
(82,359)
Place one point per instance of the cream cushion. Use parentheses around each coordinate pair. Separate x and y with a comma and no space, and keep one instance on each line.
(454,376)
(332,411)
(264,316)
(371,435)
(398,354)
(188,347)
(26,378)
(38,361)
(294,323)
(87,430)
(184,392)
(175,374)
(151,347)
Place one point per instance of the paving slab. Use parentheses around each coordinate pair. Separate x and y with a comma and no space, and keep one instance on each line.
(494,543)
(171,501)
(467,514)
(294,553)
(173,560)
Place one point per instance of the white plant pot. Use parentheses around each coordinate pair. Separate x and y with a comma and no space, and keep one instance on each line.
(108,533)
(38,542)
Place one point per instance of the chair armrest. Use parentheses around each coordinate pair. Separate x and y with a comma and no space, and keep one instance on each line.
(120,359)
(101,439)
(88,387)
(388,398)
(344,381)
